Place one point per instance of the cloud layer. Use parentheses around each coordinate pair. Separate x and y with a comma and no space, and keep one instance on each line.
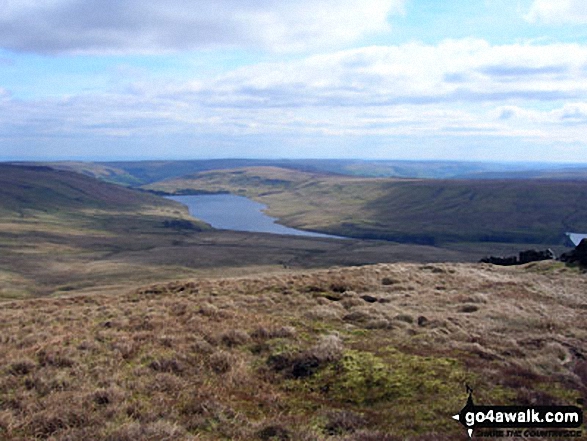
(321,92)
(458,88)
(558,12)
(453,71)
(130,26)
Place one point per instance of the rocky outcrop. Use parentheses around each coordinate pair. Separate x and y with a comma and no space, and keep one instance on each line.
(535,256)
(523,257)
(500,260)
(578,255)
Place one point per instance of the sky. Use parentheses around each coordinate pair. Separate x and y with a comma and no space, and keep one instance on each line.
(476,80)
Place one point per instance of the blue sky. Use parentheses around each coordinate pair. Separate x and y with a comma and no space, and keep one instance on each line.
(490,80)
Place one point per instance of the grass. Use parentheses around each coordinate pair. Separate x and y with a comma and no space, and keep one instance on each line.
(429,212)
(115,252)
(241,358)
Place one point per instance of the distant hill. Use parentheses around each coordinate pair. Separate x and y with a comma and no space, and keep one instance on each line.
(406,210)
(136,173)
(564,173)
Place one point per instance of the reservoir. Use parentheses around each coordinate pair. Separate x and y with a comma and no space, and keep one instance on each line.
(230,212)
(576,237)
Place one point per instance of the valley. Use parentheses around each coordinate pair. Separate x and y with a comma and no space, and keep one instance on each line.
(125,318)
(63,233)
(416,211)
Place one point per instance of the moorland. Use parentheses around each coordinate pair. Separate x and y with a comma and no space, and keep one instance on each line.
(124,318)
(377,352)
(63,232)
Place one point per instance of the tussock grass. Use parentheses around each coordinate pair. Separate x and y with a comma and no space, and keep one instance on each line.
(250,358)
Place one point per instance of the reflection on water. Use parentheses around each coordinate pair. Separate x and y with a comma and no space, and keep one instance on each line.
(230,212)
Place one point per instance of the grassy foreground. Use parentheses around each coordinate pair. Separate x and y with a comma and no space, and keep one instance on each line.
(372,353)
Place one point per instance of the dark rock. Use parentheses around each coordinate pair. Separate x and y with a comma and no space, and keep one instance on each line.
(578,255)
(369,299)
(524,257)
(422,321)
(535,256)
(498,260)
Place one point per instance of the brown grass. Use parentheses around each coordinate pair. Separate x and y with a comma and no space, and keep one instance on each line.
(251,358)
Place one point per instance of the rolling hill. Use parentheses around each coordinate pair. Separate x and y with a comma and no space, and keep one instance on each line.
(136,173)
(431,212)
(561,173)
(58,229)
(41,188)
(63,233)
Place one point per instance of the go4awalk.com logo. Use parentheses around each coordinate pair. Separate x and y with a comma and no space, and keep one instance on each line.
(520,421)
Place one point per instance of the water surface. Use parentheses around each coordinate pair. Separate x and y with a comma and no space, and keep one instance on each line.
(230,212)
(576,237)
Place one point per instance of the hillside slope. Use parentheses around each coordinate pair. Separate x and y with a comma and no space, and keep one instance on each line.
(61,231)
(371,353)
(428,212)
(45,189)
(561,173)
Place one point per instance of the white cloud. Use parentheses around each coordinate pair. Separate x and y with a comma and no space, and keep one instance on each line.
(127,26)
(4,94)
(558,12)
(465,88)
(572,113)
(565,124)
(465,71)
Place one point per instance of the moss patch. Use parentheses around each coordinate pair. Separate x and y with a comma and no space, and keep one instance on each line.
(365,379)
